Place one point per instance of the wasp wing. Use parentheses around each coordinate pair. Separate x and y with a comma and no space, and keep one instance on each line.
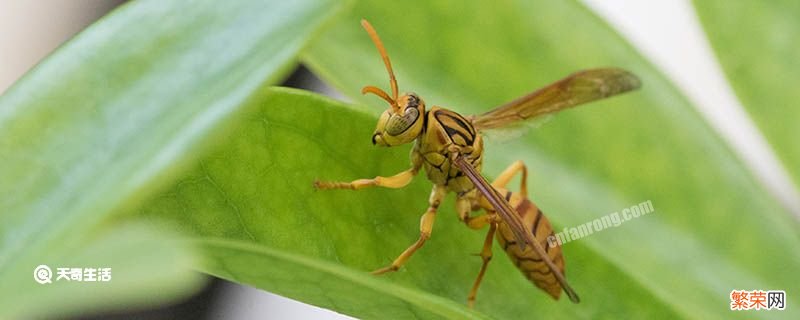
(577,88)
(501,206)
(514,221)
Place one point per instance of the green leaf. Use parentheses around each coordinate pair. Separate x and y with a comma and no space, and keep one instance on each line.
(258,188)
(757,45)
(114,115)
(147,268)
(714,230)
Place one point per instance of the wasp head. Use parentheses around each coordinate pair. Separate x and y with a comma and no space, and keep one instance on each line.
(401,123)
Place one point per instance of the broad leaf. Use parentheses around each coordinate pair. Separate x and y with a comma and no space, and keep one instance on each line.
(258,188)
(146,267)
(112,116)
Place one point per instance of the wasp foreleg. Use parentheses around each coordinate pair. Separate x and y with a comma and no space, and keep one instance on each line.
(399,180)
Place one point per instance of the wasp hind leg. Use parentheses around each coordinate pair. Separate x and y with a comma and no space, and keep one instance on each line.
(486,256)
(465,205)
(425,227)
(505,177)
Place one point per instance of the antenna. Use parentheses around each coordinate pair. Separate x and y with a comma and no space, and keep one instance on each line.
(392,81)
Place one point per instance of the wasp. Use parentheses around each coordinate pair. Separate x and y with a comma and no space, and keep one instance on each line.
(449,147)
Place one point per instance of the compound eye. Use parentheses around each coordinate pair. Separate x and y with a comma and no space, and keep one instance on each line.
(412,100)
(397,124)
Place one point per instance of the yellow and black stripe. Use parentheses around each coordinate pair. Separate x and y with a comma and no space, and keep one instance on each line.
(457,127)
(528,260)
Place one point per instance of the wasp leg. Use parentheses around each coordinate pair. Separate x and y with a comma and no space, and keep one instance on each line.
(464,207)
(399,180)
(465,204)
(425,226)
(486,256)
(504,177)
(478,222)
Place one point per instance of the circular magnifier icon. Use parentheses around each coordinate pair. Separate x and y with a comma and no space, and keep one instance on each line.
(42,274)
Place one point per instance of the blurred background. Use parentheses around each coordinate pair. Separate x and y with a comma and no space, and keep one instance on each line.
(667,32)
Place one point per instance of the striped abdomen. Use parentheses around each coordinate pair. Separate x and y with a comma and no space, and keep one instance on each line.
(528,261)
